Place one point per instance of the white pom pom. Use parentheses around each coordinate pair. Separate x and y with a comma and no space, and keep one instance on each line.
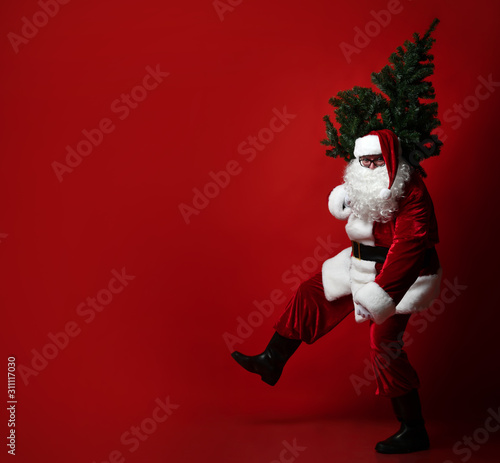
(385,193)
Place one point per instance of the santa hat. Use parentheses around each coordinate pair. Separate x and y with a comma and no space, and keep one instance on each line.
(386,143)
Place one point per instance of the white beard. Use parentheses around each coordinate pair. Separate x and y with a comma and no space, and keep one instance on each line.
(363,188)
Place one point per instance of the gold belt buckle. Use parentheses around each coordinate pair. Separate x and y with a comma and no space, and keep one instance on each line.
(359,250)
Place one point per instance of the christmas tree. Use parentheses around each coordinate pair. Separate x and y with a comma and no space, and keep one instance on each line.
(402,105)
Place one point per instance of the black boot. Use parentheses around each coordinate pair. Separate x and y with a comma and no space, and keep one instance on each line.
(412,436)
(270,363)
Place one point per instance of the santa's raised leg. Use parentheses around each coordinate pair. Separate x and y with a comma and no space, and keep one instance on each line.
(390,271)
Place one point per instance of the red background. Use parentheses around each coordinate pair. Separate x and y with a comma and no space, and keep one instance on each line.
(163,334)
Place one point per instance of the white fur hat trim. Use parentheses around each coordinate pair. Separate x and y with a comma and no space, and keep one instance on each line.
(369,144)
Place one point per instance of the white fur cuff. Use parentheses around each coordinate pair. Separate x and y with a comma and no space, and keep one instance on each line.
(376,301)
(336,203)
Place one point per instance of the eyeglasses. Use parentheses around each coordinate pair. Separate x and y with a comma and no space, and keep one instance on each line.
(378,162)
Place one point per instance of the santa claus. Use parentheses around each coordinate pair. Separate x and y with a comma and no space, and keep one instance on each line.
(390,271)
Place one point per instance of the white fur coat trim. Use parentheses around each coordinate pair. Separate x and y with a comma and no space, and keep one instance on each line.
(335,275)
(370,144)
(421,294)
(343,275)
(372,297)
(360,230)
(337,203)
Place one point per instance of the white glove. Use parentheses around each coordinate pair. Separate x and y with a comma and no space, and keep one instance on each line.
(362,312)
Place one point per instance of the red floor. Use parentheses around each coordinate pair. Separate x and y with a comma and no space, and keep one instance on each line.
(312,439)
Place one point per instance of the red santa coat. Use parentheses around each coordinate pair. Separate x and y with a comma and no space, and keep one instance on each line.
(409,279)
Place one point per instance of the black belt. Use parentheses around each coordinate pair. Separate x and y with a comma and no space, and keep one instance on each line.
(371,253)
(379,253)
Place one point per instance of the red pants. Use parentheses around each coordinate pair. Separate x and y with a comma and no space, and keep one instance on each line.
(308,316)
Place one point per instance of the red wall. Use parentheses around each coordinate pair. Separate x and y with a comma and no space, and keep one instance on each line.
(217,78)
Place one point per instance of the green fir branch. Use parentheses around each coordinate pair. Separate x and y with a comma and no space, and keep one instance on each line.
(403,105)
